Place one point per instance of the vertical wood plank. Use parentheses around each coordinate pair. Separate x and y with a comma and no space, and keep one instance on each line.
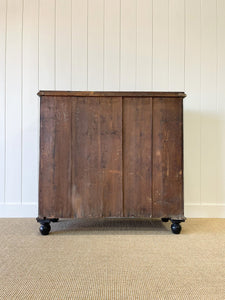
(144,45)
(55,158)
(209,121)
(160,45)
(192,104)
(47,45)
(176,45)
(128,45)
(13,101)
(63,45)
(221,100)
(167,170)
(95,44)
(79,45)
(112,45)
(3,12)
(137,158)
(30,107)
(97,157)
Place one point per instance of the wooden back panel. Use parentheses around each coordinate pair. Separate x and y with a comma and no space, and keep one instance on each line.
(97,157)
(167,157)
(55,158)
(137,156)
(111,155)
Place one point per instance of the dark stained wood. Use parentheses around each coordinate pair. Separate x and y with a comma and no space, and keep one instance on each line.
(97,157)
(111,154)
(180,95)
(137,156)
(167,158)
(55,158)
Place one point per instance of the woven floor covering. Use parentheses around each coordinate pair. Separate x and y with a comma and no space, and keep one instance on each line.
(112,259)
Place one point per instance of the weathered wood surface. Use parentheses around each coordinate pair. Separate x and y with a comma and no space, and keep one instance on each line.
(111,156)
(97,157)
(167,157)
(137,157)
(55,158)
(112,94)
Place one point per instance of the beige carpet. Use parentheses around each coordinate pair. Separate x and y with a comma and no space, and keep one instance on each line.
(112,259)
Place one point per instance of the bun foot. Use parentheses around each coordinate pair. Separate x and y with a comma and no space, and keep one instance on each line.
(176,228)
(45,229)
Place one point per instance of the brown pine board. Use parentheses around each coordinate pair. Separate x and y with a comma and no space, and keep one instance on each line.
(137,157)
(55,158)
(180,95)
(97,157)
(167,158)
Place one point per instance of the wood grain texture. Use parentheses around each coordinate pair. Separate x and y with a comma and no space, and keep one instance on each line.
(55,158)
(180,95)
(167,158)
(137,157)
(97,157)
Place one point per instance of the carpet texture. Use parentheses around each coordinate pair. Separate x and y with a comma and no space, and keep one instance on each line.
(112,259)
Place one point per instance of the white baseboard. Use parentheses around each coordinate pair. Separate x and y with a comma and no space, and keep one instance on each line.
(30,210)
(14,210)
(204,210)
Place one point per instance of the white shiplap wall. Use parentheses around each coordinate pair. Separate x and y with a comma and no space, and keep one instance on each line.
(155,45)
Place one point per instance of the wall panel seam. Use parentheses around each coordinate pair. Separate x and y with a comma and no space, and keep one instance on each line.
(103,45)
(6,23)
(21,153)
(71,43)
(136,48)
(55,45)
(120,48)
(38,83)
(200,100)
(87,41)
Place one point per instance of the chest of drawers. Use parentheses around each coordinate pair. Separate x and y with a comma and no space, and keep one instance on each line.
(111,154)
